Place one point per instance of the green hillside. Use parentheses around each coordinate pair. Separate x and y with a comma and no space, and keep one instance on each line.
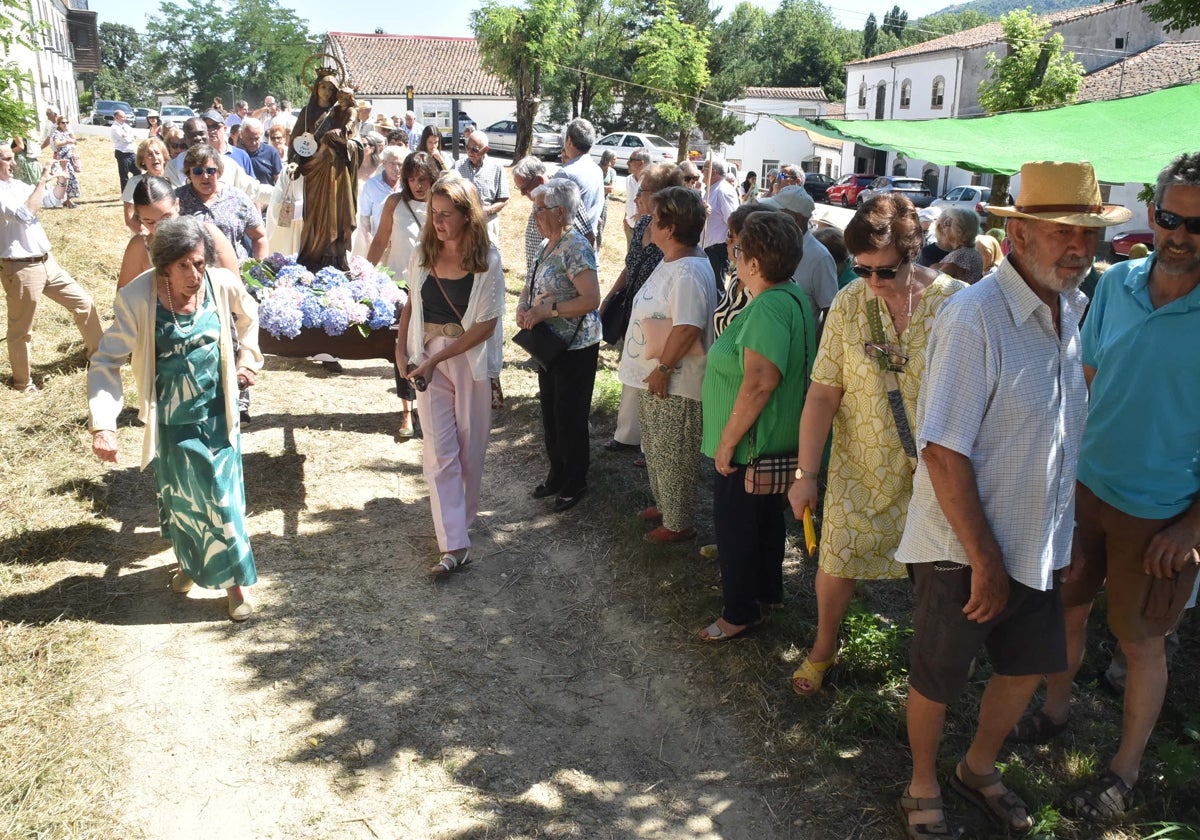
(995,8)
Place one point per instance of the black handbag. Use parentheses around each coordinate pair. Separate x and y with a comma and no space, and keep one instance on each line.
(615,320)
(543,344)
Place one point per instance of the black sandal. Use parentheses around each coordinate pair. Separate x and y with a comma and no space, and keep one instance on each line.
(1037,728)
(1105,798)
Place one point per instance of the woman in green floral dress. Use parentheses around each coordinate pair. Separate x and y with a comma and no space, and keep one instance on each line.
(173,321)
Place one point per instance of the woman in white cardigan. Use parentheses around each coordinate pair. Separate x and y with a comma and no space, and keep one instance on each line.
(456,298)
(173,322)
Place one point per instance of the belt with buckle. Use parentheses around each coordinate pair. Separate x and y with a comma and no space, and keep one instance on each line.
(449,330)
(40,259)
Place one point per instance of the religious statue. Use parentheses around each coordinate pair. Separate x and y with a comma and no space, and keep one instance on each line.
(328,155)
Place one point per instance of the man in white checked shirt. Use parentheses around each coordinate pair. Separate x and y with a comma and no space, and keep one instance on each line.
(999,422)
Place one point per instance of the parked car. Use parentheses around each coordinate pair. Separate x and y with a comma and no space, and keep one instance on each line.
(102,114)
(817,185)
(176,114)
(502,137)
(623,144)
(844,191)
(1122,242)
(966,198)
(911,188)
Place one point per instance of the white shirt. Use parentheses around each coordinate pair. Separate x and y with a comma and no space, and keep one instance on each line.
(232,119)
(124,140)
(685,291)
(21,234)
(586,174)
(631,212)
(816,274)
(723,200)
(1004,389)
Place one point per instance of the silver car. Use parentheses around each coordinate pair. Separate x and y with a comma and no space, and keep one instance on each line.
(967,198)
(502,137)
(624,143)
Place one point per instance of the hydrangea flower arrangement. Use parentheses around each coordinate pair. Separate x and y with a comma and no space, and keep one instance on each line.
(291,298)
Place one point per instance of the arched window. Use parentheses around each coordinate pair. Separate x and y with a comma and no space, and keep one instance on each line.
(905,93)
(939,92)
(862,95)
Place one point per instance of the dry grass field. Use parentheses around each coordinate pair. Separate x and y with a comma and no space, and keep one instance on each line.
(552,689)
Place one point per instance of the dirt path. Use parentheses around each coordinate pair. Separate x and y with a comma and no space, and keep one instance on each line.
(522,698)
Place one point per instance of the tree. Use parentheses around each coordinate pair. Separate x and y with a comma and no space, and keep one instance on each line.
(522,46)
(1035,73)
(673,61)
(1174,15)
(895,21)
(254,48)
(733,64)
(125,73)
(870,36)
(803,46)
(583,85)
(16,116)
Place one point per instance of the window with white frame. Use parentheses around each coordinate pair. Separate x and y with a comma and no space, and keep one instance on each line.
(939,92)
(862,95)
(905,93)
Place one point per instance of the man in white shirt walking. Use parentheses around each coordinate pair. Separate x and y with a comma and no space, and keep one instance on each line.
(124,147)
(637,162)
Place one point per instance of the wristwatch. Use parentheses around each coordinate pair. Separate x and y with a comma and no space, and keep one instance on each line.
(554,310)
(665,368)
(802,474)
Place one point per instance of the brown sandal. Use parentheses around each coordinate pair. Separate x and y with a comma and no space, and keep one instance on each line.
(1005,809)
(921,831)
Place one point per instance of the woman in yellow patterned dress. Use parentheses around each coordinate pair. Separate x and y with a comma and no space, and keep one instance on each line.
(873,344)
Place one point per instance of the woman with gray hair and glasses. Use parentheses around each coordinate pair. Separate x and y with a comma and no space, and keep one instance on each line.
(563,291)
(173,324)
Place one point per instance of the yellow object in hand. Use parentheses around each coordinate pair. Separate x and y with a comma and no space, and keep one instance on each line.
(810,532)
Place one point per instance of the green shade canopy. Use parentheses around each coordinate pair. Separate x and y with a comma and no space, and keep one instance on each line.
(1126,140)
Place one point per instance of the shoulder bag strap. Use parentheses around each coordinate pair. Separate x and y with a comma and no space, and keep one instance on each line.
(891,385)
(751,458)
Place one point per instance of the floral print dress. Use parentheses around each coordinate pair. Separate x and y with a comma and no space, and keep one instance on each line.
(201,496)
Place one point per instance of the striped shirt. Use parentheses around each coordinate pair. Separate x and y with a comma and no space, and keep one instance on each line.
(1003,388)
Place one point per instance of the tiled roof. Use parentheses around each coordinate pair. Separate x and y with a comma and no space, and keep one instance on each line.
(980,36)
(1160,66)
(812,94)
(836,110)
(383,65)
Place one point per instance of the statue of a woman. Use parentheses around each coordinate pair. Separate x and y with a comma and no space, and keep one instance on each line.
(329,160)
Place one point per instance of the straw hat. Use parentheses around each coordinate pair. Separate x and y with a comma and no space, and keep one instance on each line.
(381,121)
(1067,193)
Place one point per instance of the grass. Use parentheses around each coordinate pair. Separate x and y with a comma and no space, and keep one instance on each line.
(835,761)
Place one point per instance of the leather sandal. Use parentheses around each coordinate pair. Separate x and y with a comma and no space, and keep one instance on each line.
(1005,809)
(181,583)
(449,562)
(1105,798)
(1036,728)
(920,831)
(814,673)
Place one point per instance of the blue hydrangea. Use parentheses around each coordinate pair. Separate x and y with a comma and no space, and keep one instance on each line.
(291,297)
(382,315)
(312,310)
(335,321)
(279,316)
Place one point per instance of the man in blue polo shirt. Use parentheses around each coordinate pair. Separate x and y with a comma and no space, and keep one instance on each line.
(1137,508)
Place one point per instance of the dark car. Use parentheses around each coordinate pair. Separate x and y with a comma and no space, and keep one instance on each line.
(845,190)
(102,114)
(817,185)
(1122,242)
(913,189)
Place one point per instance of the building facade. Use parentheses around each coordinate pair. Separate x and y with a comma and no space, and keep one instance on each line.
(767,144)
(66,41)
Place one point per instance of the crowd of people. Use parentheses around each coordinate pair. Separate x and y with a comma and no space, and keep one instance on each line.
(935,378)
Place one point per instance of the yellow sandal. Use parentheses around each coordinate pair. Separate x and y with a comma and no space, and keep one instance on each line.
(814,673)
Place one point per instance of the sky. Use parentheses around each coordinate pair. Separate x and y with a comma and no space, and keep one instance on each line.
(451,17)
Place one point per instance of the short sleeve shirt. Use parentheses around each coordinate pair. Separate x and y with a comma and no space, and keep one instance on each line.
(488,179)
(817,273)
(1004,389)
(231,211)
(778,325)
(556,265)
(1141,450)
(684,290)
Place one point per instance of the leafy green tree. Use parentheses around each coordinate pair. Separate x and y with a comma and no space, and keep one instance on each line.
(1035,73)
(583,86)
(733,64)
(870,36)
(125,72)
(895,21)
(247,49)
(16,116)
(802,45)
(673,61)
(522,45)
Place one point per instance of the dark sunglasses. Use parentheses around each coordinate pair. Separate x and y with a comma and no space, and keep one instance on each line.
(865,271)
(204,170)
(1169,221)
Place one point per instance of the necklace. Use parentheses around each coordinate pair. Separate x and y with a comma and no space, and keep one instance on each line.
(171,306)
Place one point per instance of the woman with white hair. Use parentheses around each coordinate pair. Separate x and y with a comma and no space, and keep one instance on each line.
(956,230)
(563,292)
(373,192)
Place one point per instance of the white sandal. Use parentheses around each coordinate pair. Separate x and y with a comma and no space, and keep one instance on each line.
(449,562)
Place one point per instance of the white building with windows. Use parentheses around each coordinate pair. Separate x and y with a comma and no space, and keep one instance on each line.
(66,40)
(767,145)
(941,77)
